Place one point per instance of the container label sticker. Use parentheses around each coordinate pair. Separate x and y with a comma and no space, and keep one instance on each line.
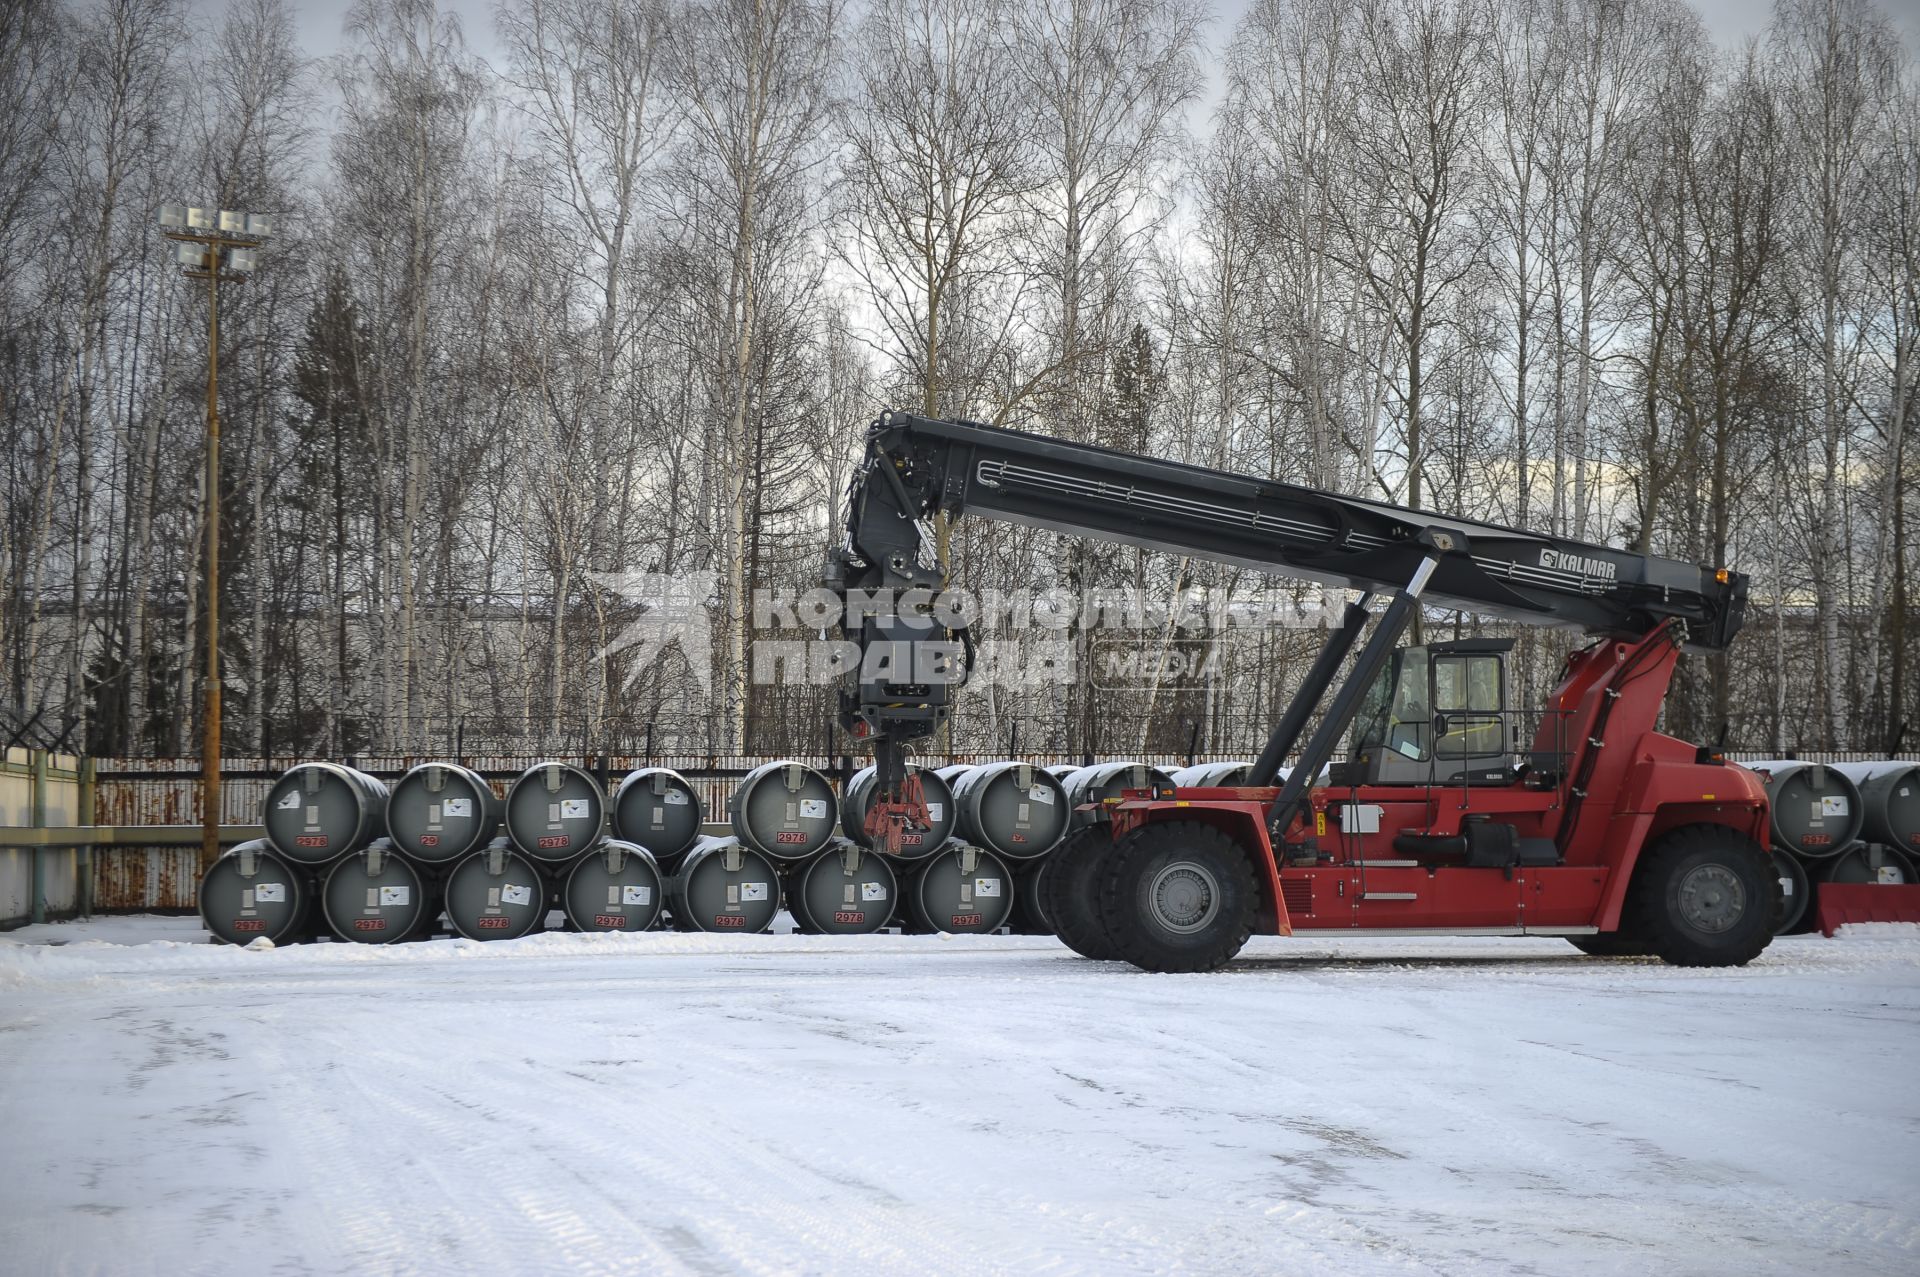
(1786,886)
(752,891)
(1041,794)
(1834,805)
(516,893)
(269,893)
(936,811)
(396,896)
(1890,876)
(674,798)
(813,809)
(575,808)
(290,803)
(636,895)
(873,891)
(986,886)
(457,807)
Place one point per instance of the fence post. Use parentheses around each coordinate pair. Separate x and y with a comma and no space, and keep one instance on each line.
(86,815)
(37,817)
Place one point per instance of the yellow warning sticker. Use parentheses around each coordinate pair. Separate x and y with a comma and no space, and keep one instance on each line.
(1320,824)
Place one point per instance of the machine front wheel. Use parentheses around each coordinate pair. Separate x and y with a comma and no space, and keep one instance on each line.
(1069,893)
(1178,896)
(1704,896)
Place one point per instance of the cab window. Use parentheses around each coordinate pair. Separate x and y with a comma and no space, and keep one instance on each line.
(1466,705)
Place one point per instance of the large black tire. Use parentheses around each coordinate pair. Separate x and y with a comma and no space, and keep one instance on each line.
(1611,944)
(1178,896)
(1070,893)
(1703,896)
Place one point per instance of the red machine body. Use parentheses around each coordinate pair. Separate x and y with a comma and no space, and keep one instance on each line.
(1623,785)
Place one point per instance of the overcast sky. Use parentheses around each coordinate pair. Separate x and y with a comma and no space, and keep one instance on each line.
(320,21)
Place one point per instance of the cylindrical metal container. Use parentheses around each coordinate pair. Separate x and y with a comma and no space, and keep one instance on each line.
(496,894)
(1212,775)
(1815,809)
(439,812)
(845,890)
(1063,770)
(1103,781)
(1012,808)
(613,887)
(1029,917)
(914,844)
(964,890)
(375,897)
(658,809)
(1890,797)
(784,810)
(1794,893)
(317,811)
(1870,862)
(723,885)
(251,892)
(555,811)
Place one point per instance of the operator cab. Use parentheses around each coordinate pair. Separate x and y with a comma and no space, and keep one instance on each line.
(1437,715)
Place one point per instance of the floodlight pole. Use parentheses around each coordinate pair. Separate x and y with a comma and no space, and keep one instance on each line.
(210,725)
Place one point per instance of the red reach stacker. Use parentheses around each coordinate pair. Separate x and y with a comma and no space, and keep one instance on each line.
(1450,814)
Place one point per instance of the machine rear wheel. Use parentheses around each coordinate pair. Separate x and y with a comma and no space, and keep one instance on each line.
(1178,896)
(1704,896)
(1070,890)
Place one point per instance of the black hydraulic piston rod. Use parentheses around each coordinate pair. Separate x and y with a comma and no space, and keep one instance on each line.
(1287,731)
(1373,658)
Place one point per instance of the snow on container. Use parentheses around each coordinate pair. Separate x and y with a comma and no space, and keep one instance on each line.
(1012,808)
(914,844)
(439,812)
(317,811)
(1816,810)
(1213,775)
(1102,782)
(723,885)
(964,889)
(657,808)
(1890,798)
(1870,863)
(613,887)
(555,811)
(252,891)
(496,893)
(374,896)
(1795,894)
(845,890)
(1063,770)
(785,810)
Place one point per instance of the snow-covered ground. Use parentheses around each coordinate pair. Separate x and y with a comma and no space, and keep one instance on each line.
(781,1104)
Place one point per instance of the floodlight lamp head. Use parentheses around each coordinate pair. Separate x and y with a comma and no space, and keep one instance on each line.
(232,223)
(200,219)
(173,217)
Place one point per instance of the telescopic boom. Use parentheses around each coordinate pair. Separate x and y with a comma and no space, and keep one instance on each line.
(916,467)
